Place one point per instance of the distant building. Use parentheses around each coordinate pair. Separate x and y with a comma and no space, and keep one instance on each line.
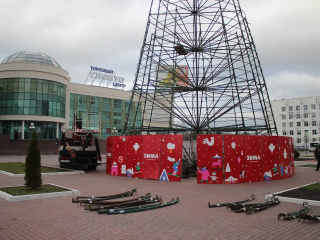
(298,118)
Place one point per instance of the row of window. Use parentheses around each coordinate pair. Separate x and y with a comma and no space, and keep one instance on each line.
(83,101)
(24,96)
(305,115)
(32,85)
(32,96)
(112,112)
(305,107)
(313,140)
(43,111)
(298,124)
(31,103)
(306,132)
(44,130)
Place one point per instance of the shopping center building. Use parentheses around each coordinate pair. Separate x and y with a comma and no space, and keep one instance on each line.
(34,88)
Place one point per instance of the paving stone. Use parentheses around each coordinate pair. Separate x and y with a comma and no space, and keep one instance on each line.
(189,219)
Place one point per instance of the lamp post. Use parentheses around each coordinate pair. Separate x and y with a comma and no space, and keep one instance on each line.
(114,130)
(32,127)
(306,141)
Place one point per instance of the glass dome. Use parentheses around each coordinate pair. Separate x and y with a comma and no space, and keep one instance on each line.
(32,57)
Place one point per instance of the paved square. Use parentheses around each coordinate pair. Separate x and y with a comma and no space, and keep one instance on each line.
(189,219)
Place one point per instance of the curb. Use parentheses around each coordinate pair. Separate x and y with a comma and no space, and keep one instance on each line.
(294,200)
(44,174)
(20,198)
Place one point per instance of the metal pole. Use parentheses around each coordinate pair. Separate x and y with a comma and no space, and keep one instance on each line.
(305,140)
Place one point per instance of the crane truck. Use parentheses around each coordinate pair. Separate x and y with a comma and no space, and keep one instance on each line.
(78,146)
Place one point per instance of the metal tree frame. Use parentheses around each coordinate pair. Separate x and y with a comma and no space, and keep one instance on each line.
(199,72)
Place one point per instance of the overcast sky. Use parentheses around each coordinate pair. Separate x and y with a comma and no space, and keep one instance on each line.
(109,34)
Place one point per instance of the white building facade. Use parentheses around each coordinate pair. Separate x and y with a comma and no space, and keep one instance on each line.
(298,118)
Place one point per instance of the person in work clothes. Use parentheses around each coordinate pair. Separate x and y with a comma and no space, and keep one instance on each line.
(16,135)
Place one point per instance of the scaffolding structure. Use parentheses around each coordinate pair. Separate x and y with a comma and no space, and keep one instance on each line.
(199,72)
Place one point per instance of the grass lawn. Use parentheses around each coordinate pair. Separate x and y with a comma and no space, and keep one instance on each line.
(313,166)
(23,190)
(315,186)
(18,168)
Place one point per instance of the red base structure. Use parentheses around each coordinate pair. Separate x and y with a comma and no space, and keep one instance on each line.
(221,159)
(244,158)
(157,157)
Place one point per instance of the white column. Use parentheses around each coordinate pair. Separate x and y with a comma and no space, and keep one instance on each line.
(57,131)
(22,137)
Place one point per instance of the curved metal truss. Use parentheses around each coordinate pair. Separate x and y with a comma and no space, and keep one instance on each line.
(199,71)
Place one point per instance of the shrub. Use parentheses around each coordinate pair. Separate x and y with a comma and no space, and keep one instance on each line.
(296,154)
(33,165)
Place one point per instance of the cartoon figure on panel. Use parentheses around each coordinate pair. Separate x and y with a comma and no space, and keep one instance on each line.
(204,174)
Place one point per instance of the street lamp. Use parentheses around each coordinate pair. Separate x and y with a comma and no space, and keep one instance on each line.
(114,130)
(306,141)
(32,127)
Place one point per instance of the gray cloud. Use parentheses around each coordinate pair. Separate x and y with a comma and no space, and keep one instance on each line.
(109,34)
(293,85)
(286,36)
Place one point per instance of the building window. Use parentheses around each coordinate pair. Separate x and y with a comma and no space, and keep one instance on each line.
(298,116)
(291,132)
(314,132)
(290,108)
(298,124)
(33,97)
(306,115)
(306,124)
(298,108)
(314,115)
(306,132)
(290,116)
(283,109)
(92,100)
(283,117)
(284,125)
(299,132)
(291,124)
(305,107)
(298,140)
(284,133)
(314,140)
(313,106)
(314,123)
(112,112)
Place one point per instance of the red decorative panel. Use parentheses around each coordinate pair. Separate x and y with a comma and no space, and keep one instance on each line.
(284,156)
(171,157)
(270,153)
(254,162)
(234,159)
(150,165)
(119,155)
(109,155)
(246,158)
(209,159)
(134,156)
